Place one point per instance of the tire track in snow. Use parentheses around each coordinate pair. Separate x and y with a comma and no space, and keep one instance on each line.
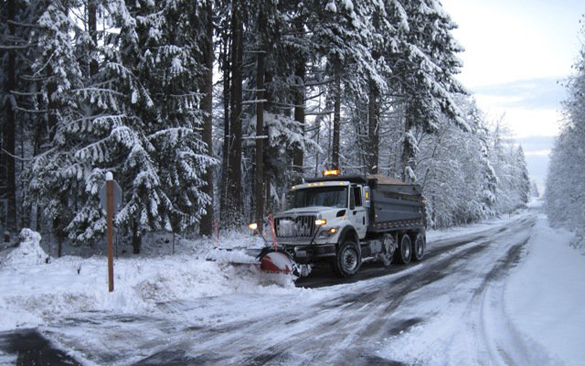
(351,326)
(384,301)
(341,329)
(473,328)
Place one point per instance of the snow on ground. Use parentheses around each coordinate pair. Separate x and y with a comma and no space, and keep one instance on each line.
(436,235)
(541,302)
(545,297)
(537,311)
(29,252)
(33,291)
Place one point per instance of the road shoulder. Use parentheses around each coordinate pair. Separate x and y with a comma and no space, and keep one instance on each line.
(544,295)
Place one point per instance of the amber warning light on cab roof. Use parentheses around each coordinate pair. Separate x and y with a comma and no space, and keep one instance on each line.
(331,173)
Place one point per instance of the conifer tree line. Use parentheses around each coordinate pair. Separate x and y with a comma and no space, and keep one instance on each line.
(565,186)
(207,111)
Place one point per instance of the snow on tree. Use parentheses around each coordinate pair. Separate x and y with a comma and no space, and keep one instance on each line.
(565,187)
(424,68)
(453,170)
(534,191)
(343,30)
(54,65)
(509,165)
(368,86)
(282,133)
(137,117)
(19,97)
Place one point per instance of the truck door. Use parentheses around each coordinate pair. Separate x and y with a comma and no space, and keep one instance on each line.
(357,212)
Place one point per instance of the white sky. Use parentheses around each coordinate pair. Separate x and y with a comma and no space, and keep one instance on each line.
(516,53)
(516,40)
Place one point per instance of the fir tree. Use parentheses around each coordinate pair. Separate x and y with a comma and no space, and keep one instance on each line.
(564,194)
(138,117)
(424,68)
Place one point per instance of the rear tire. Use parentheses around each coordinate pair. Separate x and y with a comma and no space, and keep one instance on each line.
(348,260)
(388,250)
(419,247)
(404,252)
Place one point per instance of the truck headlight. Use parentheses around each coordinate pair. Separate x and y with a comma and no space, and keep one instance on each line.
(320,222)
(328,232)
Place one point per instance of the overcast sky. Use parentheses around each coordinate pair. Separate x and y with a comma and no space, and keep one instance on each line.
(517,54)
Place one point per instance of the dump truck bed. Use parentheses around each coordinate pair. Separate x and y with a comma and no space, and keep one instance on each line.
(395,205)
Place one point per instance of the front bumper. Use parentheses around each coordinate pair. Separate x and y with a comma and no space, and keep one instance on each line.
(306,254)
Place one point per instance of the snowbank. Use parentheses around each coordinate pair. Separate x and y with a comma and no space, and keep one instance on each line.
(545,295)
(28,252)
(34,291)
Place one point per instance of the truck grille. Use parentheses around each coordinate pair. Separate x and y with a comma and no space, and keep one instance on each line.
(295,227)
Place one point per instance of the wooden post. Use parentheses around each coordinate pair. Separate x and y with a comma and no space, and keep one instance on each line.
(216,226)
(110,224)
(271,219)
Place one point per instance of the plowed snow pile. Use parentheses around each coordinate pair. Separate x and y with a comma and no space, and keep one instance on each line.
(28,252)
(34,290)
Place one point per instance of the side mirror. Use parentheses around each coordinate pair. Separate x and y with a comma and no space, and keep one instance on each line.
(367,198)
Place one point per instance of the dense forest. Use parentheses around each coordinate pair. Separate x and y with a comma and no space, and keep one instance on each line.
(209,110)
(565,187)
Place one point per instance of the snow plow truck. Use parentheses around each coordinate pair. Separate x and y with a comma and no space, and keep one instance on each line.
(346,220)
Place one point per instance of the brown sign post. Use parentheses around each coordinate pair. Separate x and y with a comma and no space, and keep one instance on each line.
(111,199)
(110,224)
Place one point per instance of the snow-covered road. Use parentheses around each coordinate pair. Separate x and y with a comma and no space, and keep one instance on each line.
(450,309)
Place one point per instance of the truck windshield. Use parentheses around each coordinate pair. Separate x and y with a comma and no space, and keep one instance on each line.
(323,196)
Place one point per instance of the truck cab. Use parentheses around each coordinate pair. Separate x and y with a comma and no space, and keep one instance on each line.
(332,205)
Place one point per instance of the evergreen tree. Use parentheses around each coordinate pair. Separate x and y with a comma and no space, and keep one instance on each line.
(564,194)
(58,74)
(451,165)
(232,207)
(11,45)
(523,179)
(206,226)
(343,29)
(138,117)
(424,69)
(127,87)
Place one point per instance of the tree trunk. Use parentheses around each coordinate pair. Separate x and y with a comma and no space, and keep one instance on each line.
(408,158)
(336,122)
(298,157)
(374,112)
(226,69)
(9,130)
(373,130)
(234,183)
(268,198)
(299,101)
(136,239)
(53,108)
(206,225)
(259,173)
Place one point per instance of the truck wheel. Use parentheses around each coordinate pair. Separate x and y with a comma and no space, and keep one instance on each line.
(388,249)
(348,259)
(404,252)
(420,244)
